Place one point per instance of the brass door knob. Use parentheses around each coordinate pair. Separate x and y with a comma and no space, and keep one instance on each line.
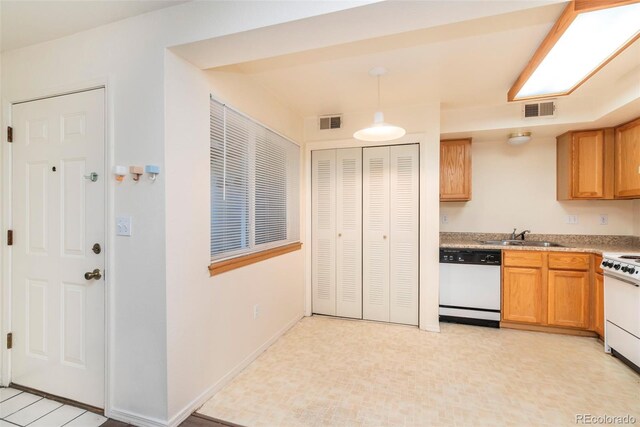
(95,274)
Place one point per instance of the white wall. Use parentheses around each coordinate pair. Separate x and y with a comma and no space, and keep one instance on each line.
(515,186)
(211,330)
(423,125)
(129,57)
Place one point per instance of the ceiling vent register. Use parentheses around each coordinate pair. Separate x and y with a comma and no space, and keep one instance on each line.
(539,109)
(330,122)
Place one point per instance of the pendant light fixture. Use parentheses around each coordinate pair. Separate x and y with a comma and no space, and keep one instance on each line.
(379,130)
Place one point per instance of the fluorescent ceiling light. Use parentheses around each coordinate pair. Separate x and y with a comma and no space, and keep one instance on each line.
(566,59)
(379,130)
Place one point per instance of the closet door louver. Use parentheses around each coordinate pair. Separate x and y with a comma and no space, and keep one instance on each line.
(375,242)
(323,250)
(349,229)
(404,210)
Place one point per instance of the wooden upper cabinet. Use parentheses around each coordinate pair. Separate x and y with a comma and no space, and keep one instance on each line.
(585,165)
(455,170)
(627,160)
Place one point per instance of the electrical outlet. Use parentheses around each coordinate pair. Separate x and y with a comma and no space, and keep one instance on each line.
(571,219)
(256,311)
(445,219)
(604,219)
(123,226)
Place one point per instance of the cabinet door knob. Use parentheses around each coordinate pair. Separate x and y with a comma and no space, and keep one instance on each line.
(339,234)
(384,236)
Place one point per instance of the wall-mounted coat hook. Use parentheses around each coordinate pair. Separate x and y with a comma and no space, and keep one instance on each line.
(120,172)
(136,171)
(153,171)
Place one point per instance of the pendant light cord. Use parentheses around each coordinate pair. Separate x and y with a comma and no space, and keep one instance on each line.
(378,92)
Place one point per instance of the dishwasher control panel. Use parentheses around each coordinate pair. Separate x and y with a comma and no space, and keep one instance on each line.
(470,256)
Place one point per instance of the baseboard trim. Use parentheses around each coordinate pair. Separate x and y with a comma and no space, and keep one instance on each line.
(208,393)
(431,328)
(134,419)
(548,329)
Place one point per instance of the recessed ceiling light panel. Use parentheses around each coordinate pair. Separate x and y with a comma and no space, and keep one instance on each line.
(591,39)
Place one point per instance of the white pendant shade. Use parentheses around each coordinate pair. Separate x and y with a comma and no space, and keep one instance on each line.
(379,130)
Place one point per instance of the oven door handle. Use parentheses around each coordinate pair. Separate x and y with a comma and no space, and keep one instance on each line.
(622,280)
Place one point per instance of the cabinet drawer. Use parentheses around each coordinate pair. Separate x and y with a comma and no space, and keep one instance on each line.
(569,261)
(522,259)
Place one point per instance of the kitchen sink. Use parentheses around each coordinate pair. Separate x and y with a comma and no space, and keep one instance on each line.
(522,243)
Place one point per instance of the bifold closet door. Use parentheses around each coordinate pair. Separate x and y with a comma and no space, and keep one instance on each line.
(404,208)
(390,233)
(375,233)
(323,218)
(349,237)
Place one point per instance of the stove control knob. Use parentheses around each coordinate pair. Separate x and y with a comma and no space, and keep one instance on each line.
(631,270)
(616,267)
(624,269)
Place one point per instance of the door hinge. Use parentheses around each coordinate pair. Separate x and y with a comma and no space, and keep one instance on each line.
(9,134)
(9,237)
(9,340)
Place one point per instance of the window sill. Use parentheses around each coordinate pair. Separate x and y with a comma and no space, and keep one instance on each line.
(220,267)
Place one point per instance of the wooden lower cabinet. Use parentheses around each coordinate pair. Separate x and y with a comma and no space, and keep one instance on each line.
(551,291)
(568,299)
(598,303)
(522,294)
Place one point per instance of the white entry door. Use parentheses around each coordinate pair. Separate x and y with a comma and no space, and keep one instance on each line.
(58,236)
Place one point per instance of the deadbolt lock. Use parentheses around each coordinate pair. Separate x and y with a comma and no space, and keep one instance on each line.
(96,248)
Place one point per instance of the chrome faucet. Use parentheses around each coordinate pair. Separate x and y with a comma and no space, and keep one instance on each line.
(515,236)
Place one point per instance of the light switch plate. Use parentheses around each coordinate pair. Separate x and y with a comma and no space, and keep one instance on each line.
(445,219)
(571,219)
(123,226)
(604,219)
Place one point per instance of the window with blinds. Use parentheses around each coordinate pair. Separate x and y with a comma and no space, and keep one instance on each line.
(255,176)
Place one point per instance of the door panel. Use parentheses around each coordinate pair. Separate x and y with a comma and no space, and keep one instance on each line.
(627,160)
(568,298)
(58,215)
(323,233)
(522,295)
(455,170)
(349,225)
(375,249)
(403,291)
(588,164)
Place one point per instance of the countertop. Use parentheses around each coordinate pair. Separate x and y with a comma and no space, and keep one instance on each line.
(596,244)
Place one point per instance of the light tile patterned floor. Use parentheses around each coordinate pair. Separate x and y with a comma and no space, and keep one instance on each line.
(18,408)
(333,372)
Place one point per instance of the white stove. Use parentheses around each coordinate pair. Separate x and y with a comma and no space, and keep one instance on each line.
(622,306)
(626,266)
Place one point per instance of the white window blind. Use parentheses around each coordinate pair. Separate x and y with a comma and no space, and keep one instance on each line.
(255,177)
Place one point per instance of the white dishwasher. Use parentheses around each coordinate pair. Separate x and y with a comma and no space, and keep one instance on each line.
(470,286)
